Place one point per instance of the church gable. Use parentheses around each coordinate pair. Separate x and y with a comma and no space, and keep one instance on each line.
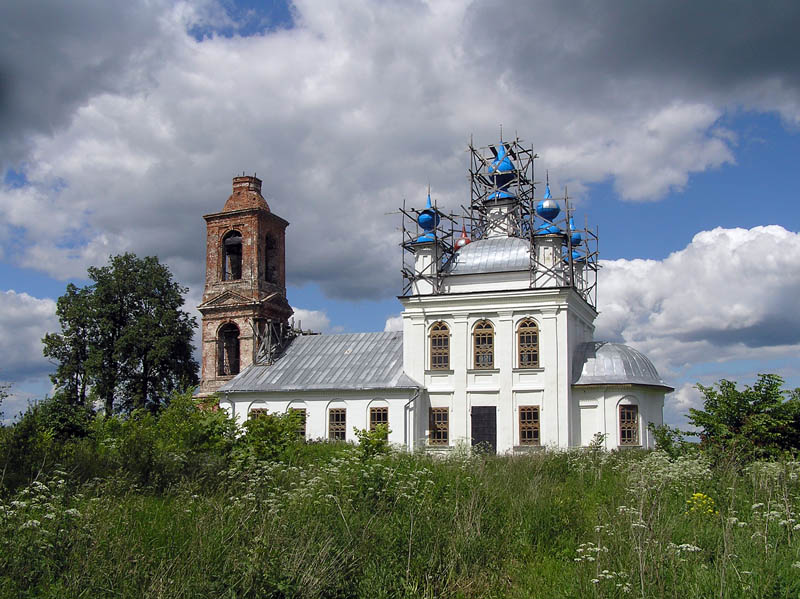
(227,298)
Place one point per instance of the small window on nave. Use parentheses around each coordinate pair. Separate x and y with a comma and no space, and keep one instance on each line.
(337,424)
(439,426)
(629,425)
(529,425)
(378,416)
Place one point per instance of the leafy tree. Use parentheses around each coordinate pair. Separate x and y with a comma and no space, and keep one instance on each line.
(124,336)
(3,395)
(761,420)
(70,348)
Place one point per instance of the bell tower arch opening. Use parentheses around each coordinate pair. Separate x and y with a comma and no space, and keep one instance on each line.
(228,350)
(232,256)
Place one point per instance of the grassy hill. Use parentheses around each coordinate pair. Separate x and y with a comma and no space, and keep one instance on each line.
(324,520)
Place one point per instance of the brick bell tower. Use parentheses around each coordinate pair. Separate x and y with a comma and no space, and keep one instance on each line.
(245,290)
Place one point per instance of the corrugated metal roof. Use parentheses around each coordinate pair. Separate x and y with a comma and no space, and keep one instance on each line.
(494,254)
(331,362)
(602,363)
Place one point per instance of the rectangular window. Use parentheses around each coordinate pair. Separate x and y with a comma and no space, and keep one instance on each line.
(440,346)
(337,424)
(439,426)
(378,416)
(301,429)
(629,425)
(529,425)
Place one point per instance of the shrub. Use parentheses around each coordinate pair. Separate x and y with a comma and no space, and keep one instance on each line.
(273,436)
(759,421)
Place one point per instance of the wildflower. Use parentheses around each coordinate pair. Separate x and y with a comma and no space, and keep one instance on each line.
(31,524)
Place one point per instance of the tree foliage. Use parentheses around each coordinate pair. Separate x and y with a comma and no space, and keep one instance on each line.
(124,337)
(761,420)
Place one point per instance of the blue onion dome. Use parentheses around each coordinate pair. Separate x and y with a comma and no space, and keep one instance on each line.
(502,163)
(575,238)
(428,219)
(547,207)
(502,173)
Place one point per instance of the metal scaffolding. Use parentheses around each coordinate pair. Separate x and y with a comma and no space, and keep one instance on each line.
(503,203)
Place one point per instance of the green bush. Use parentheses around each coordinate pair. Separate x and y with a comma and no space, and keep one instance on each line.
(756,422)
(274,436)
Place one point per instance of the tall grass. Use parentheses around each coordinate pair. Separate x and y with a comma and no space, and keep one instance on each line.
(336,523)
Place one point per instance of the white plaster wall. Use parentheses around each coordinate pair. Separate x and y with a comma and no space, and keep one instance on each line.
(564,320)
(317,404)
(597,410)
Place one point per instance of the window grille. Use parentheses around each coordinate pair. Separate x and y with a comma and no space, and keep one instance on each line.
(440,346)
(528,343)
(301,428)
(529,425)
(337,424)
(378,416)
(439,426)
(257,412)
(629,425)
(483,344)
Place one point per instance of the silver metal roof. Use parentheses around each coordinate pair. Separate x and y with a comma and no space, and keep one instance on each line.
(330,362)
(494,254)
(602,363)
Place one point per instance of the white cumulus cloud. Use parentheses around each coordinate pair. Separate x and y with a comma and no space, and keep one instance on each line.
(730,294)
(24,320)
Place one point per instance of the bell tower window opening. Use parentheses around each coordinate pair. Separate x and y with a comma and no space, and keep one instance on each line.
(269,259)
(232,256)
(440,346)
(528,343)
(228,350)
(483,345)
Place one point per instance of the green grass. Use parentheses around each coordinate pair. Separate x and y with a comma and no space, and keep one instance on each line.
(338,524)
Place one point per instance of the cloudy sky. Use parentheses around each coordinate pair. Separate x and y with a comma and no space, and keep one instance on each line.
(673,125)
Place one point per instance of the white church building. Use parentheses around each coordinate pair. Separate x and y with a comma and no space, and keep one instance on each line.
(497,346)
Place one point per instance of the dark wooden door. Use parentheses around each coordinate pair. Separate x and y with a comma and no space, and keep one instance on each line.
(484,427)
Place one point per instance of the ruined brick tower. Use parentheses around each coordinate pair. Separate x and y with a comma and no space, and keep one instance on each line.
(245,290)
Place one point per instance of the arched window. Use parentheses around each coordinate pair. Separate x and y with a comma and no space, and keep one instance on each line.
(440,346)
(528,343)
(628,424)
(270,276)
(228,350)
(483,345)
(232,256)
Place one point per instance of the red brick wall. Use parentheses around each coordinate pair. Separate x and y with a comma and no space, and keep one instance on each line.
(245,211)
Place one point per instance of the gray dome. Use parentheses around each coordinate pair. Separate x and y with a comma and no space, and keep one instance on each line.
(495,254)
(602,363)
